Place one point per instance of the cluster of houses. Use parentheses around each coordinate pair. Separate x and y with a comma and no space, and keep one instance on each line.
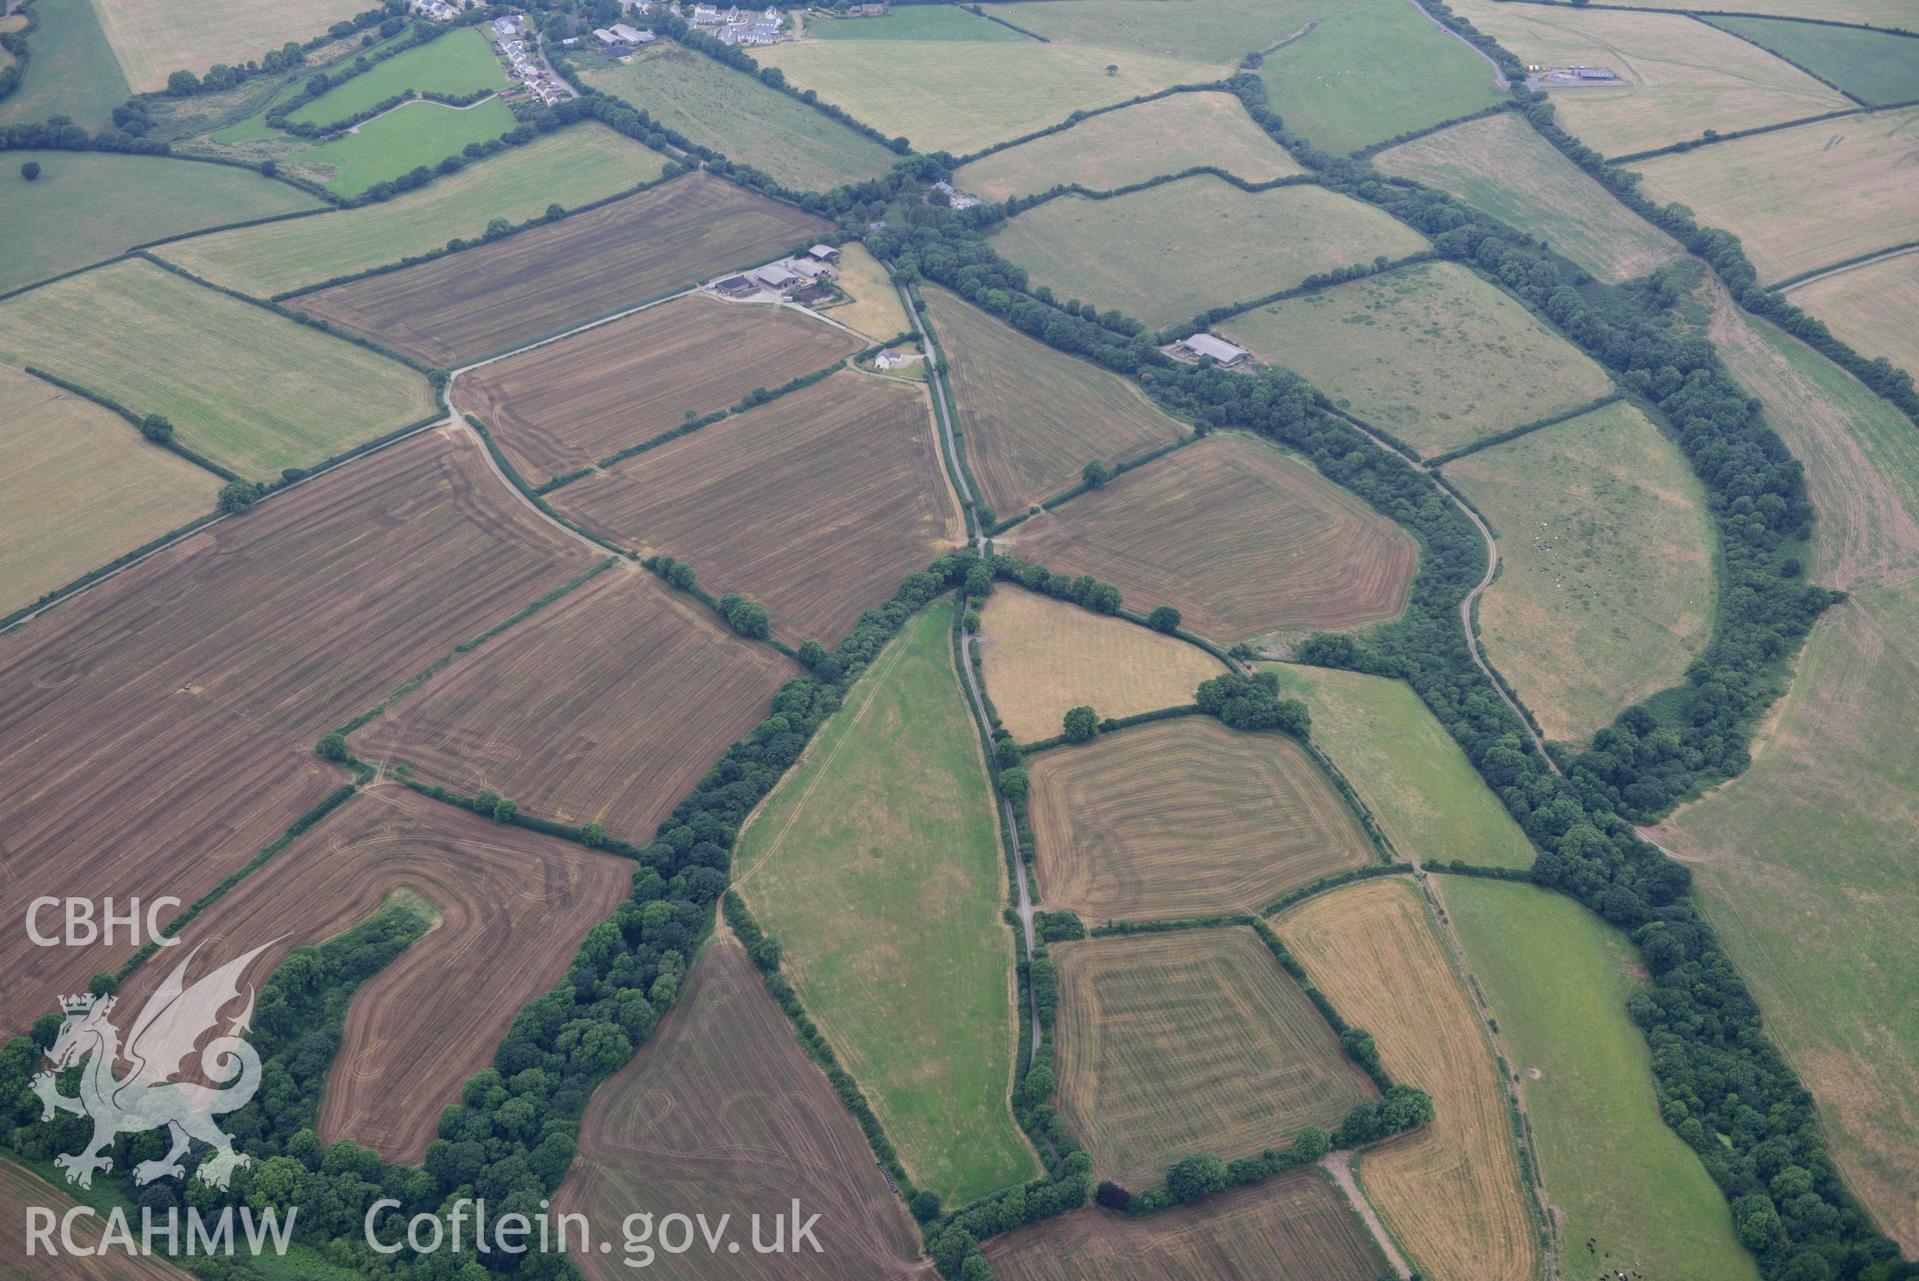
(805,278)
(954,196)
(730,26)
(511,39)
(437,10)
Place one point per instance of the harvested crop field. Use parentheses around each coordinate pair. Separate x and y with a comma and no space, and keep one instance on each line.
(1775,191)
(154,38)
(81,488)
(1430,353)
(21,1188)
(1184,817)
(1172,251)
(483,301)
(1276,546)
(1679,77)
(1452,1192)
(876,865)
(1606,587)
(569,167)
(657,687)
(872,304)
(1428,799)
(1042,657)
(570,403)
(721,1107)
(182,698)
(1193,1041)
(1293,1225)
(1874,308)
(85,207)
(511,907)
(1031,417)
(1501,166)
(253,391)
(1803,865)
(815,505)
(1133,144)
(748,122)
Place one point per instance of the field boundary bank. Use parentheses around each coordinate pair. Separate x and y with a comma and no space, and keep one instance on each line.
(170,444)
(1716,13)
(1699,144)
(1372,149)
(1080,117)
(1313,284)
(1527,429)
(1796,65)
(1791,283)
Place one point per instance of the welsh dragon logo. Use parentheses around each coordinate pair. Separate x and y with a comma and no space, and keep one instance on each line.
(170,1025)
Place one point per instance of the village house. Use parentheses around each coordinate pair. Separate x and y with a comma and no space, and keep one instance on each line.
(1201,345)
(511,25)
(814,295)
(955,197)
(891,359)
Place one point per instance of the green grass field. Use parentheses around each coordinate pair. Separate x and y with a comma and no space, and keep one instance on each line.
(569,167)
(1372,71)
(1220,32)
(1175,250)
(915,22)
(1431,353)
(1557,978)
(251,390)
(957,95)
(418,133)
(751,123)
(88,206)
(1805,867)
(1873,66)
(877,866)
(1412,775)
(458,63)
(1605,591)
(72,71)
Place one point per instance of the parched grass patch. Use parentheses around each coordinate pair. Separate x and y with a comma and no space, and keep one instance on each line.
(956,95)
(154,38)
(1804,865)
(1185,817)
(80,488)
(1557,979)
(1220,32)
(1373,70)
(1605,593)
(1894,14)
(1133,144)
(1874,308)
(71,70)
(1875,67)
(1032,417)
(749,122)
(815,505)
(411,135)
(570,167)
(1776,192)
(1294,1225)
(1681,77)
(1042,657)
(872,303)
(877,865)
(89,206)
(1170,252)
(1453,1192)
(1431,353)
(1193,1041)
(456,64)
(721,1106)
(253,391)
(1425,794)
(1242,537)
(570,403)
(1500,164)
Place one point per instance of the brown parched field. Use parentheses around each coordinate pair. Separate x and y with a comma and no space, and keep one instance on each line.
(21,1188)
(158,730)
(1184,818)
(573,402)
(512,906)
(483,301)
(722,1108)
(1032,417)
(1042,657)
(1452,1191)
(1193,1041)
(656,688)
(815,505)
(1243,538)
(1295,1225)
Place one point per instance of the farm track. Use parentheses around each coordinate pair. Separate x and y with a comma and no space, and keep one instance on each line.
(1499,76)
(1338,1165)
